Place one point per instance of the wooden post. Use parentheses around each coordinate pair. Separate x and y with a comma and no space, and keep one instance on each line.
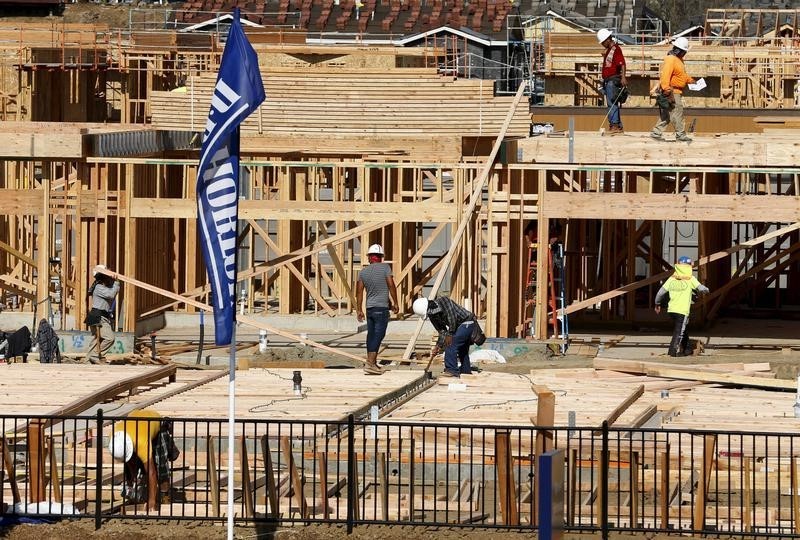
(36,457)
(384,486)
(545,416)
(665,493)
(322,461)
(43,250)
(795,497)
(297,481)
(747,496)
(247,487)
(212,477)
(55,482)
(272,490)
(153,498)
(572,471)
(634,485)
(9,470)
(602,479)
(699,522)
(411,473)
(505,478)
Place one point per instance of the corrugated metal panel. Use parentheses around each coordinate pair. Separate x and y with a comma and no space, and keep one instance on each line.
(141,143)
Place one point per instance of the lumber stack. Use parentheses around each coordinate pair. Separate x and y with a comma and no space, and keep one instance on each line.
(364,103)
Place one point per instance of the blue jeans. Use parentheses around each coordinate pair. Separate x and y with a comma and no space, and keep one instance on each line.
(377,321)
(610,88)
(458,351)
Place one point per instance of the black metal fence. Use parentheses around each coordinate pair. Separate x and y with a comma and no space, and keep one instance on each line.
(409,473)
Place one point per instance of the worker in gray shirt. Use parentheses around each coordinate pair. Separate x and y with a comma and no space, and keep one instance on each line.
(381,297)
(100,319)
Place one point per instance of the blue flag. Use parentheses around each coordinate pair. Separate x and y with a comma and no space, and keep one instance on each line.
(238,92)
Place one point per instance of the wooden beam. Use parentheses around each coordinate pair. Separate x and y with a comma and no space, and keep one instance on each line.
(213,478)
(298,210)
(626,403)
(701,495)
(507,488)
(269,471)
(466,217)
(322,461)
(724,378)
(577,306)
(671,207)
(247,487)
(297,481)
(55,482)
(112,390)
(10,472)
(240,318)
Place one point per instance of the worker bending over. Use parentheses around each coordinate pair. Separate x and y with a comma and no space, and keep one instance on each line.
(458,329)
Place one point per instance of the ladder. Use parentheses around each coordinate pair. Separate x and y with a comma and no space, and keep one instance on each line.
(556,297)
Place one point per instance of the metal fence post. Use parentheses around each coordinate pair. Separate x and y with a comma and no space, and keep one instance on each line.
(98,472)
(604,486)
(352,491)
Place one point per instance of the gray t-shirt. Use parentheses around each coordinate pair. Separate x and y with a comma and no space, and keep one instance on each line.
(374,279)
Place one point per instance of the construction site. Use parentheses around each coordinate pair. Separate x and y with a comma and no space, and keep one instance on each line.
(445,132)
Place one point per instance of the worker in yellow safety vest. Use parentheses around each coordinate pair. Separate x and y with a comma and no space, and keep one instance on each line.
(678,291)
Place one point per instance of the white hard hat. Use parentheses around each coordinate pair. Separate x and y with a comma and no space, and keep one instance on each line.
(420,307)
(375,249)
(121,446)
(682,43)
(98,268)
(603,34)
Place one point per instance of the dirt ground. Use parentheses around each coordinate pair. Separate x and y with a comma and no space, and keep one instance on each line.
(138,530)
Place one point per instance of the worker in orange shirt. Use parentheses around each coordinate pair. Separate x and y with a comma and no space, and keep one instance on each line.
(669,92)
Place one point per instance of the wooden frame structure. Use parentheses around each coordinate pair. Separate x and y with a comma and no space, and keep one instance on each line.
(396,162)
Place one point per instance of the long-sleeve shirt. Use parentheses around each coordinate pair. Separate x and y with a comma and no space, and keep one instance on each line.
(673,74)
(613,62)
(103,297)
(680,286)
(446,316)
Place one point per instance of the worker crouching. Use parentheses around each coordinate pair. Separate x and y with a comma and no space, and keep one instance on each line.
(144,443)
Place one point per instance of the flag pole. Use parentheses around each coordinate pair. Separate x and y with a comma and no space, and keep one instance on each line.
(232,360)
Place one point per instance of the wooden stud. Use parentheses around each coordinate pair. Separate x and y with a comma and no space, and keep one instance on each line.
(297,481)
(384,485)
(55,482)
(247,487)
(795,496)
(10,472)
(213,477)
(269,471)
(507,488)
(322,463)
(747,496)
(701,494)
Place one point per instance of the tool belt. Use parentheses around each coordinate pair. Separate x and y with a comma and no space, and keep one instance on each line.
(663,100)
(95,317)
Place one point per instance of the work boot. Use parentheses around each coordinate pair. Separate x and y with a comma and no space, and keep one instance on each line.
(656,136)
(450,374)
(615,130)
(683,137)
(373,369)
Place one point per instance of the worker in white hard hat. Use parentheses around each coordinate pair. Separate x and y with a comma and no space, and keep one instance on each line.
(458,329)
(100,318)
(669,92)
(615,79)
(377,279)
(143,442)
